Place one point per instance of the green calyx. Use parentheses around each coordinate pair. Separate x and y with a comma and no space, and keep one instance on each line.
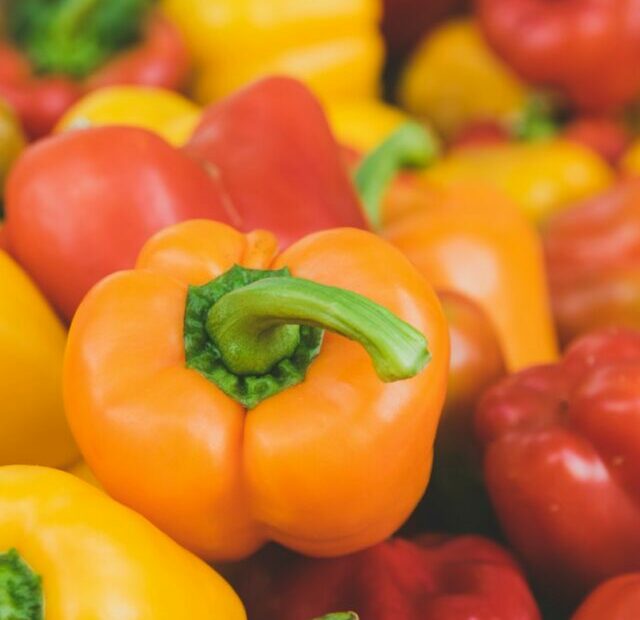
(255,333)
(536,122)
(341,615)
(20,589)
(410,146)
(74,37)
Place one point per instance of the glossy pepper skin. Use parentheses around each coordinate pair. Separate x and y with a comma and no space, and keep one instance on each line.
(220,480)
(592,261)
(97,559)
(541,177)
(292,180)
(471,239)
(615,599)
(33,428)
(561,463)
(165,112)
(82,204)
(587,50)
(159,59)
(431,577)
(454,79)
(333,46)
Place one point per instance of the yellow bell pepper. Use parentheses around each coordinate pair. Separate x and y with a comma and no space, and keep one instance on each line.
(164,112)
(69,552)
(454,79)
(332,45)
(541,177)
(12,140)
(363,123)
(33,428)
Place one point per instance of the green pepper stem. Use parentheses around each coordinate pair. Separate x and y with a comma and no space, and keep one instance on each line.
(341,615)
(256,326)
(410,146)
(20,588)
(536,120)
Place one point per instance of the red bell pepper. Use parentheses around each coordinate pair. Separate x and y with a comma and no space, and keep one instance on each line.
(615,599)
(593,261)
(81,205)
(430,578)
(562,463)
(271,147)
(55,52)
(588,50)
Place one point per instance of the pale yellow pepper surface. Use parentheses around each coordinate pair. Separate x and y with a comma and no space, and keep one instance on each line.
(96,559)
(332,45)
(164,112)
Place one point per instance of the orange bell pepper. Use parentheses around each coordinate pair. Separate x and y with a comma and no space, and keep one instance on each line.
(163,423)
(468,238)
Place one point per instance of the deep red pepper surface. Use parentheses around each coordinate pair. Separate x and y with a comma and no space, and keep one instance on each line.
(562,463)
(615,599)
(588,49)
(273,152)
(593,261)
(81,205)
(160,59)
(430,578)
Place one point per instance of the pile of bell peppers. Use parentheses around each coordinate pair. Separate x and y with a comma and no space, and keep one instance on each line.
(319,311)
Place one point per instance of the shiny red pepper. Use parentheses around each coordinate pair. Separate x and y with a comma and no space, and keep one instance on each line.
(159,59)
(271,147)
(615,599)
(593,261)
(588,50)
(430,578)
(81,205)
(562,463)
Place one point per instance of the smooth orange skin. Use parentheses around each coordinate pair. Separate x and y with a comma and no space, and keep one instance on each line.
(475,241)
(330,466)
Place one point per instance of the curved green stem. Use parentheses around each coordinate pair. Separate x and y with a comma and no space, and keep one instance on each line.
(20,589)
(410,146)
(340,615)
(256,326)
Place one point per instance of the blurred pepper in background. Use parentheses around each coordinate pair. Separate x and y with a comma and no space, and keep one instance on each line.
(165,112)
(431,577)
(53,52)
(561,463)
(592,252)
(587,50)
(11,142)
(69,551)
(333,46)
(33,428)
(541,177)
(468,238)
(454,79)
